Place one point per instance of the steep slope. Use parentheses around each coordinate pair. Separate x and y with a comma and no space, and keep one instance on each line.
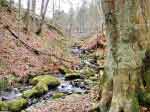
(17,48)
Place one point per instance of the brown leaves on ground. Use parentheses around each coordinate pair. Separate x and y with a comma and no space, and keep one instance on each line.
(16,59)
(72,103)
(97,40)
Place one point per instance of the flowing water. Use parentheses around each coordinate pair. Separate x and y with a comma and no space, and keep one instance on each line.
(78,86)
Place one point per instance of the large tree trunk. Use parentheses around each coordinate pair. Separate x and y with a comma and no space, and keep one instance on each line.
(128,39)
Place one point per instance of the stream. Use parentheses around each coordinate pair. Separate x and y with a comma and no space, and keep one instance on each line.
(67,87)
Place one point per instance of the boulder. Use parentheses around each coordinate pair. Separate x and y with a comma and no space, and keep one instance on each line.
(29,93)
(40,88)
(3,106)
(64,70)
(47,80)
(17,104)
(37,90)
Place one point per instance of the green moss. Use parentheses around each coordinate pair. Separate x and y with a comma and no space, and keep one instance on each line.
(37,90)
(64,70)
(88,72)
(135,104)
(40,88)
(29,93)
(58,95)
(144,98)
(147,78)
(41,85)
(47,80)
(17,104)
(3,106)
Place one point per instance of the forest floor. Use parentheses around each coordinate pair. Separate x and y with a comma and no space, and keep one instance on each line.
(77,67)
(72,103)
(19,62)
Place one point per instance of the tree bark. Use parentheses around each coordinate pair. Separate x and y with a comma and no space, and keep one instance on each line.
(128,35)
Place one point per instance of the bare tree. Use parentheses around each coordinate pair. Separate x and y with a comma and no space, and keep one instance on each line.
(33,13)
(27,16)
(71,20)
(10,5)
(44,6)
(53,8)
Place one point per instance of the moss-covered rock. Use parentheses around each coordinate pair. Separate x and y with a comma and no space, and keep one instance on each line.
(37,90)
(64,70)
(88,72)
(72,76)
(29,93)
(46,79)
(3,106)
(17,104)
(58,95)
(40,88)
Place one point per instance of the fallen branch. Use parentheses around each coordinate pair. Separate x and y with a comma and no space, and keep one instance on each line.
(35,51)
(56,28)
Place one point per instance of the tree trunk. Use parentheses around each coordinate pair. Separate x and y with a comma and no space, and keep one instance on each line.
(34,14)
(53,8)
(43,13)
(27,16)
(10,5)
(128,39)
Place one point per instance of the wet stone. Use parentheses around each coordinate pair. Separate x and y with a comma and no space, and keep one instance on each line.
(68,88)
(10,94)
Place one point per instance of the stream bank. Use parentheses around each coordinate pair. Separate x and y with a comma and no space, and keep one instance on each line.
(48,88)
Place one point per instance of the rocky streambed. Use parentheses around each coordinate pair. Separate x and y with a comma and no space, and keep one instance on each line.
(48,87)
(41,88)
